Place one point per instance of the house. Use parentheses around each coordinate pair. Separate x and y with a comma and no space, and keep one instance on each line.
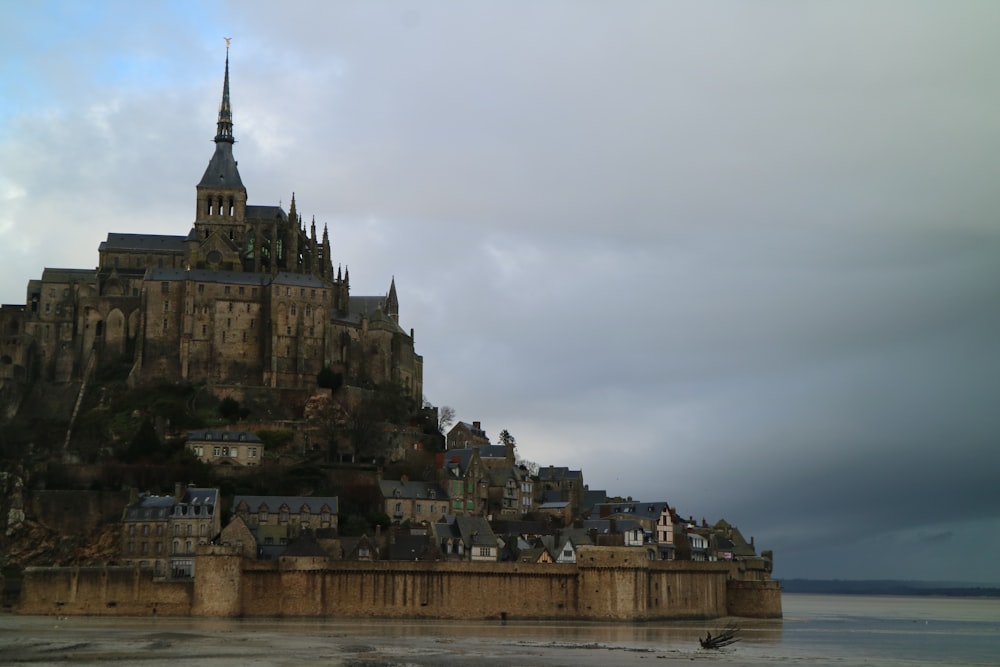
(162,532)
(560,511)
(511,492)
(656,518)
(467,538)
(412,546)
(241,448)
(413,502)
(463,435)
(568,484)
(537,554)
(359,548)
(464,477)
(238,536)
(145,533)
(289,513)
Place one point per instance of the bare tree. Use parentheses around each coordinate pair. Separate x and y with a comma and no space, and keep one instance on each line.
(446,417)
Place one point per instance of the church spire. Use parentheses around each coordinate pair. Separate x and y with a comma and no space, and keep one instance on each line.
(392,302)
(225,126)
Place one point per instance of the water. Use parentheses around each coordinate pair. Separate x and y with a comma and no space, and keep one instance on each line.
(817,630)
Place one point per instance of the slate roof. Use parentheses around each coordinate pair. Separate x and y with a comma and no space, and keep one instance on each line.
(68,275)
(474,531)
(258,212)
(294,503)
(150,508)
(143,242)
(208,276)
(221,171)
(197,502)
(637,509)
(411,547)
(219,435)
(558,473)
(298,280)
(412,490)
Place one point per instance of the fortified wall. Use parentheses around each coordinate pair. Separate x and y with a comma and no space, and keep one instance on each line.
(605,584)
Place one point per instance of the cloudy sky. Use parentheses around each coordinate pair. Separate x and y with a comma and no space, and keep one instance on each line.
(742,257)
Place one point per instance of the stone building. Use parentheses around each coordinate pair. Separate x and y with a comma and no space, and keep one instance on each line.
(248,297)
(163,532)
(231,448)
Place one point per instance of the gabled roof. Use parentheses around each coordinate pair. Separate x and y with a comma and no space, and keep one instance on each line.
(411,547)
(412,490)
(635,509)
(294,503)
(558,474)
(472,530)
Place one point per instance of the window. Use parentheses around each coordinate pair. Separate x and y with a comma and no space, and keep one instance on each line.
(226,290)
(131,529)
(216,451)
(253,292)
(166,306)
(164,324)
(262,517)
(164,288)
(201,288)
(484,551)
(252,452)
(145,529)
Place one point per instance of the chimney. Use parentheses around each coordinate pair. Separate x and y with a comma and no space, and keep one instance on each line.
(404,478)
(477,426)
(179,490)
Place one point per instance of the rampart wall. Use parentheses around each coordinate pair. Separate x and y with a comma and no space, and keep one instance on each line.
(601,586)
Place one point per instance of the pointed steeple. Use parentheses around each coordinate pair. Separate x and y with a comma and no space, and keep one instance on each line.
(221,197)
(225,125)
(326,268)
(392,302)
(222,173)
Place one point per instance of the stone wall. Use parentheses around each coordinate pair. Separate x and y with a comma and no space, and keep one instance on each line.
(605,584)
(122,591)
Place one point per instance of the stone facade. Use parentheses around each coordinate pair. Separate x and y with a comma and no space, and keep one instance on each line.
(248,297)
(606,584)
(161,533)
(233,448)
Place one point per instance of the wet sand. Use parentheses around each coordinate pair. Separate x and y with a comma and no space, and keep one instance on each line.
(34,640)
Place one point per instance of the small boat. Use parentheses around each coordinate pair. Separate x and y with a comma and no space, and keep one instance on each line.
(722,638)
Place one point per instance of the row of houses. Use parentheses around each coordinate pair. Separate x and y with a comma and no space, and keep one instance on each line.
(164,532)
(482,505)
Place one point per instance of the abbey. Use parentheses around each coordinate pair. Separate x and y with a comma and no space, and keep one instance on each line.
(248,297)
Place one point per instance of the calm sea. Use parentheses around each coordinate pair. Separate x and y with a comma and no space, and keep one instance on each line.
(816,630)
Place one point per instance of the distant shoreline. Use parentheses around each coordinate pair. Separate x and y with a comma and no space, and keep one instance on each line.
(888,587)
